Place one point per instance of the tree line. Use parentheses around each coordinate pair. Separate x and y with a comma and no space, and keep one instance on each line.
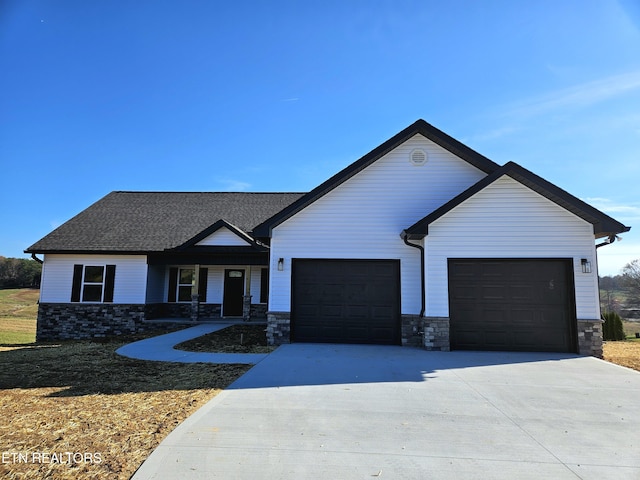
(19,273)
(622,292)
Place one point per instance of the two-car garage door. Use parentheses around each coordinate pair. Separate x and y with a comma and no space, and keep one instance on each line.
(346,301)
(512,305)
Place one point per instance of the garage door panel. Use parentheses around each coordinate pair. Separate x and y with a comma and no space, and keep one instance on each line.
(521,305)
(357,311)
(357,301)
(493,292)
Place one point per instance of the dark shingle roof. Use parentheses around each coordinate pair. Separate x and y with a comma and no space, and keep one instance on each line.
(139,222)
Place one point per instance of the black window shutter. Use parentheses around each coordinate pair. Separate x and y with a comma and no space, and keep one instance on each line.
(202,284)
(76,285)
(264,285)
(109,282)
(173,284)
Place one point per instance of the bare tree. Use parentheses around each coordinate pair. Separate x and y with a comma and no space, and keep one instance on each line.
(631,275)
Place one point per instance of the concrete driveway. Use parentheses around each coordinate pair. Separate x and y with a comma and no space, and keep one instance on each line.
(361,412)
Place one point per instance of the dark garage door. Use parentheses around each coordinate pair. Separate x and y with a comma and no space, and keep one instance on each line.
(512,305)
(346,301)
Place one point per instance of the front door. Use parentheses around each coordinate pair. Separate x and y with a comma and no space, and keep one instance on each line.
(233,293)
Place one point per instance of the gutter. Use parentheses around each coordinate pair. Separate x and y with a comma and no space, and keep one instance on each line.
(608,241)
(403,235)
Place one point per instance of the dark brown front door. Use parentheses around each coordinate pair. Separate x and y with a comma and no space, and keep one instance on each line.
(233,293)
(512,305)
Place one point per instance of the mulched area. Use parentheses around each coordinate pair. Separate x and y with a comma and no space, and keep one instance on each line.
(235,339)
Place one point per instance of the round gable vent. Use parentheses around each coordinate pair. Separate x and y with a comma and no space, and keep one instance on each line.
(418,157)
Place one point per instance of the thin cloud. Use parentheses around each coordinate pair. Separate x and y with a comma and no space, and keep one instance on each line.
(582,95)
(622,212)
(494,134)
(231,185)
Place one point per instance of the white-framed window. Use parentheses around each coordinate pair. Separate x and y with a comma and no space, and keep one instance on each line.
(93,283)
(181,282)
(185,284)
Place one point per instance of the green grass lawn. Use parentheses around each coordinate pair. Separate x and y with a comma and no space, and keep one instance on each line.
(630,329)
(18,313)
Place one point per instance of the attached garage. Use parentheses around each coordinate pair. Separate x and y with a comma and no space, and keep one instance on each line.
(346,301)
(512,305)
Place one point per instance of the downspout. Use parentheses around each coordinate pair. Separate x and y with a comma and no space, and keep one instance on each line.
(608,241)
(403,235)
(33,255)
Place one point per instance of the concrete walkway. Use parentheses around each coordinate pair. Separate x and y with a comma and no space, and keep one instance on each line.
(360,412)
(160,348)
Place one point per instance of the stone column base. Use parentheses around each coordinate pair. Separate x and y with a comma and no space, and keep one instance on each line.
(246,308)
(590,337)
(195,307)
(278,328)
(412,331)
(436,334)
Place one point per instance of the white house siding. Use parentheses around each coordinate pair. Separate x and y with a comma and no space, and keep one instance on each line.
(364,216)
(508,220)
(130,280)
(223,237)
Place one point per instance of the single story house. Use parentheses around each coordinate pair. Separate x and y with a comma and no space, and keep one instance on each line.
(420,242)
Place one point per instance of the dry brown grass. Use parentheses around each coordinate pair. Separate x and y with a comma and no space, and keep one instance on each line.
(626,353)
(82,398)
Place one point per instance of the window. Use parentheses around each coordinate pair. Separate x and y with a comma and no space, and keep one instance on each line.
(181,281)
(185,283)
(93,283)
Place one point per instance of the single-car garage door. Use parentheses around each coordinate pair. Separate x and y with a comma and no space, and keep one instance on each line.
(346,301)
(512,305)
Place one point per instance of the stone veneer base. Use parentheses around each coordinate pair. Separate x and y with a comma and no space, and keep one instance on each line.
(78,321)
(590,338)
(436,334)
(278,328)
(71,321)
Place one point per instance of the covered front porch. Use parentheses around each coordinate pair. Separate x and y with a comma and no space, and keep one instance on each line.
(213,284)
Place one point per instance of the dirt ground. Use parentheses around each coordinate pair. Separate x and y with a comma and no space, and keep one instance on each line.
(626,353)
(235,339)
(77,410)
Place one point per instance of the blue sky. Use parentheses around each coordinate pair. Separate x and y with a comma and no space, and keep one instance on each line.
(275,95)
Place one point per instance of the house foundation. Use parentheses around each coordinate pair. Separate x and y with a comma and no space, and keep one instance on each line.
(412,330)
(70,321)
(590,337)
(436,334)
(278,328)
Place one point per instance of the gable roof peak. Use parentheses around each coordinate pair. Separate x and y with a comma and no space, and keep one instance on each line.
(418,127)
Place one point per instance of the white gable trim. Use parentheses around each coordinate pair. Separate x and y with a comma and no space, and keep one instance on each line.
(223,238)
(508,220)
